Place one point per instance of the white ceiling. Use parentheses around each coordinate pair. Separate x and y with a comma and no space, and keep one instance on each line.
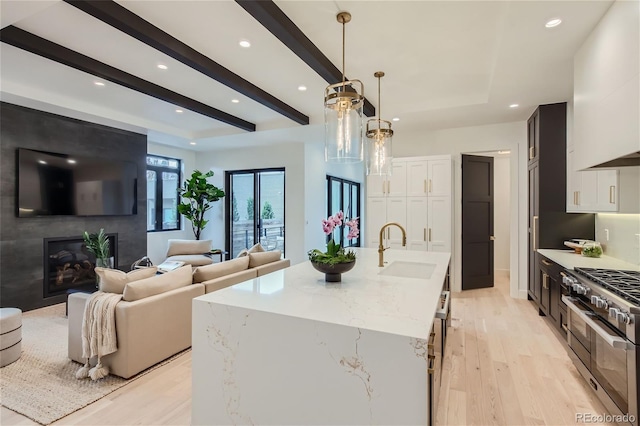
(447,63)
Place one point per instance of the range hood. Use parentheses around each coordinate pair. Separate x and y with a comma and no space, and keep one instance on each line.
(632,159)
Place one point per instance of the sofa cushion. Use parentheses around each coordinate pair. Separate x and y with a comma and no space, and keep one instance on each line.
(188,247)
(168,281)
(243,253)
(209,272)
(192,259)
(258,259)
(114,280)
(256,248)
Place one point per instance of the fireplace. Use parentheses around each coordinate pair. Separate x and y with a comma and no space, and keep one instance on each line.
(69,265)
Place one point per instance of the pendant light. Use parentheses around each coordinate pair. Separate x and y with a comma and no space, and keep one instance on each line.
(379,136)
(343,104)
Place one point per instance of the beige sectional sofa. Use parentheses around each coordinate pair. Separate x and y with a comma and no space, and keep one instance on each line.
(153,321)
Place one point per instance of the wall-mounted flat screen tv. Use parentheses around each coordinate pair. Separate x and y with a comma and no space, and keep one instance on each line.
(51,184)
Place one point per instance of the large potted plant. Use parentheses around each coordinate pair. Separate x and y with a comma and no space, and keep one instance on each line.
(198,195)
(98,244)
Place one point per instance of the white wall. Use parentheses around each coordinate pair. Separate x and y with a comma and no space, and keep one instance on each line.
(624,236)
(501,213)
(157,241)
(291,157)
(493,137)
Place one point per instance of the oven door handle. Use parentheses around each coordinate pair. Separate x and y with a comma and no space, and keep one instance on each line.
(442,313)
(613,341)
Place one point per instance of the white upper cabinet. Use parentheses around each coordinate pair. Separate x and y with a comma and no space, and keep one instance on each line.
(394,185)
(591,191)
(439,180)
(429,177)
(606,88)
(417,178)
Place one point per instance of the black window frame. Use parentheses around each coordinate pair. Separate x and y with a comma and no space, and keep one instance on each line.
(159,183)
(340,232)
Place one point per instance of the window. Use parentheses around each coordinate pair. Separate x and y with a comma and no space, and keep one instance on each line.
(343,195)
(163,180)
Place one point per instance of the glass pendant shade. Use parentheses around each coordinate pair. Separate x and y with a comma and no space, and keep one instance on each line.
(379,147)
(379,137)
(343,112)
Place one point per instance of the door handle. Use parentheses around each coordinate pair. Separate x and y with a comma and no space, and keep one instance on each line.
(424,234)
(532,150)
(546,263)
(492,238)
(533,236)
(425,186)
(429,234)
(545,281)
(575,198)
(612,194)
(383,191)
(430,186)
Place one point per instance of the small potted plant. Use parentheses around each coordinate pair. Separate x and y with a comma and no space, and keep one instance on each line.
(98,244)
(336,260)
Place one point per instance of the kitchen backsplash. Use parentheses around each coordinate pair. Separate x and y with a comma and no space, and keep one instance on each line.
(624,236)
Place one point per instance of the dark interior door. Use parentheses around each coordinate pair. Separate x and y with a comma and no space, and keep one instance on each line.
(477,222)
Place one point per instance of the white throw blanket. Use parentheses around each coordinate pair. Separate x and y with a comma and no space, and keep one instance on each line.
(98,332)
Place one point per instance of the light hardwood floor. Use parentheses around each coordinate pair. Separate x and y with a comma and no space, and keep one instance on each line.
(503,366)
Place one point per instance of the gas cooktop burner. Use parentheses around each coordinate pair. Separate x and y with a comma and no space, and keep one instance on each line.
(623,283)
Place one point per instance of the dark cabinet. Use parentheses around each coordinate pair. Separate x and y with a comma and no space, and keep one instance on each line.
(551,291)
(549,223)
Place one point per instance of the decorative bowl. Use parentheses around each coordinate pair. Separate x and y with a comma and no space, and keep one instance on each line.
(333,273)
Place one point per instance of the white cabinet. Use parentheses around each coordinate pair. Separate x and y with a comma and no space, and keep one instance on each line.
(606,88)
(381,210)
(418,196)
(591,191)
(429,177)
(385,186)
(417,223)
(439,224)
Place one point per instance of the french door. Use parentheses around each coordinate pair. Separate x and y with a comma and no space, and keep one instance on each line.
(254,210)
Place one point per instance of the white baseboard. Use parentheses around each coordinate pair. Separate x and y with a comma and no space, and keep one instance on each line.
(501,272)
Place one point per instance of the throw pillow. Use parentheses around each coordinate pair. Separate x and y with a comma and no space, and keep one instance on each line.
(243,253)
(259,259)
(114,280)
(257,248)
(216,270)
(168,281)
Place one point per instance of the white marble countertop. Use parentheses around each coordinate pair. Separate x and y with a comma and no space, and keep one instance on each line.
(364,299)
(569,260)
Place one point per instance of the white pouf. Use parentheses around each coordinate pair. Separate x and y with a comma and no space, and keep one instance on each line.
(10,335)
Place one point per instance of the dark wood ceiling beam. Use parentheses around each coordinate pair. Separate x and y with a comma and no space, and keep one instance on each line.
(278,23)
(45,48)
(128,22)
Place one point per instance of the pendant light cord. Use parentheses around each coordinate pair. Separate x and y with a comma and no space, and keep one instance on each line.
(379,104)
(343,49)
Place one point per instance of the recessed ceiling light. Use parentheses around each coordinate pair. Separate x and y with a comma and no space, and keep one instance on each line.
(98,83)
(396,119)
(504,152)
(514,105)
(162,66)
(302,88)
(553,23)
(42,162)
(71,161)
(192,143)
(245,43)
(179,111)
(235,101)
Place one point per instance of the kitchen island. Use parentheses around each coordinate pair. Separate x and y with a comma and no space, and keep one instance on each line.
(288,348)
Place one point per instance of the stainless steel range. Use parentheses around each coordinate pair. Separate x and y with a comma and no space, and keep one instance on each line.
(604,333)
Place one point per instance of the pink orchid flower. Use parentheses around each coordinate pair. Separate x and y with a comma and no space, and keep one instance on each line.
(327,226)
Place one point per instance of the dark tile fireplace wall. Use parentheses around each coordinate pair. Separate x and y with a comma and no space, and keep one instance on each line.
(22,239)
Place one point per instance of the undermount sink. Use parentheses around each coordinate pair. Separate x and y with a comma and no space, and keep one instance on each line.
(400,268)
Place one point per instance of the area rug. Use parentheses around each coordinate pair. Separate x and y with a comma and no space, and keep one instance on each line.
(42,385)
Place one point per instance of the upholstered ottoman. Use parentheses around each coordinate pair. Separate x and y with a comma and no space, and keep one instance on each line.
(10,335)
